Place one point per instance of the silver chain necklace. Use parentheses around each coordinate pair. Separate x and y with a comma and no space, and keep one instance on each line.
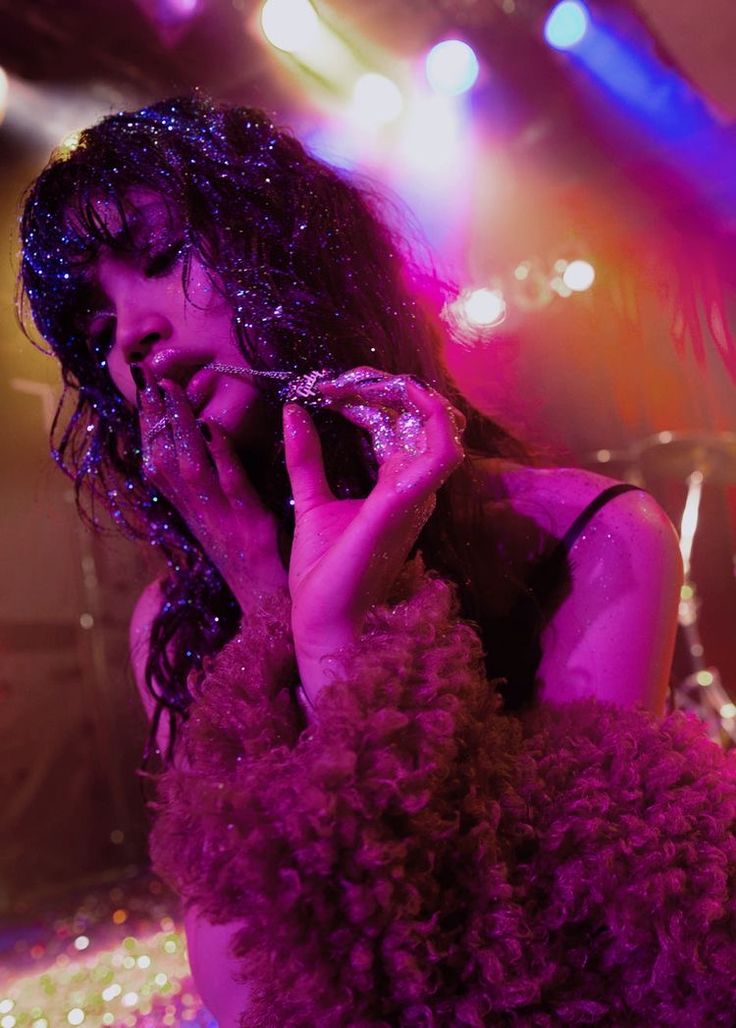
(296,387)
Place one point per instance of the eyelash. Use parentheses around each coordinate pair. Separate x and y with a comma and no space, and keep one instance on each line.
(156,266)
(102,338)
(161,263)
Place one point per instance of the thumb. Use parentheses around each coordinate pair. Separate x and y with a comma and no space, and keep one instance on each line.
(303,452)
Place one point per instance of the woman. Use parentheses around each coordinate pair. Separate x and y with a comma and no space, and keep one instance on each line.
(361,834)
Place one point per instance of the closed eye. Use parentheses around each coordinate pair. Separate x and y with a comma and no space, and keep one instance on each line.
(101,332)
(165,260)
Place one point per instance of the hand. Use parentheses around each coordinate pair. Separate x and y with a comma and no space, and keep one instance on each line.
(347,553)
(209,488)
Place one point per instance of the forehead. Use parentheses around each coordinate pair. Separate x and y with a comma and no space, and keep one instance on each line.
(140,213)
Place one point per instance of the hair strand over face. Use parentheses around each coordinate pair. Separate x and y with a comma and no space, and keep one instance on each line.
(314,278)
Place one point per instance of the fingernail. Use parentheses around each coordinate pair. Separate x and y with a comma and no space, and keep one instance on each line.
(205,429)
(293,413)
(137,375)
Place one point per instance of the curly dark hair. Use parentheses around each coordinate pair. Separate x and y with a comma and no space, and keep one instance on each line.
(314,276)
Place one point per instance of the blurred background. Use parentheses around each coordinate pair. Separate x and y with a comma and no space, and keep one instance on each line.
(572,168)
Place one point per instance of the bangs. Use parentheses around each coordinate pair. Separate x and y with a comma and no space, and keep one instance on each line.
(71,216)
(124,220)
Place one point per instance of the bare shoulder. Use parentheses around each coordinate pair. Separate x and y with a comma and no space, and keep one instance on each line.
(613,635)
(630,528)
(630,525)
(553,498)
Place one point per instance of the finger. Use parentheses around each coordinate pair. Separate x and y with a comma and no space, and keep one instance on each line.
(156,438)
(442,425)
(303,452)
(435,407)
(151,403)
(417,444)
(351,382)
(190,451)
(381,405)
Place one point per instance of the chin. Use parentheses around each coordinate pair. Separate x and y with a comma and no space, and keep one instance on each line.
(229,421)
(245,428)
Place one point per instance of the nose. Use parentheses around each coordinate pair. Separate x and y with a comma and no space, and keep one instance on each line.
(138,335)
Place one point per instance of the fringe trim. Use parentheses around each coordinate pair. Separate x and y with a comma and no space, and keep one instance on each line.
(415,857)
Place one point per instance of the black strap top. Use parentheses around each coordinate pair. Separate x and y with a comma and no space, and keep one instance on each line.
(545,589)
(585,515)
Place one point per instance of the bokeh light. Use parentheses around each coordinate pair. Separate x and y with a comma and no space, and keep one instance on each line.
(477,309)
(485,307)
(433,139)
(3,93)
(579,276)
(566,24)
(289,25)
(451,67)
(376,99)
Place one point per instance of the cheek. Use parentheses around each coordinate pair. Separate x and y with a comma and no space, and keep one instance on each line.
(203,296)
(242,412)
(120,375)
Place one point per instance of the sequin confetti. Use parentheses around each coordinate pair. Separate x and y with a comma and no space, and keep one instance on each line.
(117,958)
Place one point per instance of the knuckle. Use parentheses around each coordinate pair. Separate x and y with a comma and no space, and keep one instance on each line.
(230,486)
(190,473)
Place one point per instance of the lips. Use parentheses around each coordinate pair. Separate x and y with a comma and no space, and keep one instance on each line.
(177,365)
(200,388)
(189,372)
(193,372)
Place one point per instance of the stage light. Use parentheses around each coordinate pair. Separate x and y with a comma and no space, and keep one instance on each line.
(69,144)
(566,25)
(289,25)
(451,67)
(184,8)
(432,138)
(376,99)
(579,276)
(482,308)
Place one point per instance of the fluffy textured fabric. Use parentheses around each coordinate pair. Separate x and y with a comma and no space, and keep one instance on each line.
(416,857)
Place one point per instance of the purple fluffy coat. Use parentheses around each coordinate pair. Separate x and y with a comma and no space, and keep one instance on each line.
(416,857)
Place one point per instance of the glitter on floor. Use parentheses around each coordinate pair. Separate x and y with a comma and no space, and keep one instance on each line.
(114,956)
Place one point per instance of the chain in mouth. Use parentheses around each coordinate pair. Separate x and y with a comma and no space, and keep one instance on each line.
(296,387)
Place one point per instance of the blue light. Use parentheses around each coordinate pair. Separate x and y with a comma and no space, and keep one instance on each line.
(566,25)
(451,67)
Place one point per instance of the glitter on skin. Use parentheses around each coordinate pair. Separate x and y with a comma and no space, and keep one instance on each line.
(257,213)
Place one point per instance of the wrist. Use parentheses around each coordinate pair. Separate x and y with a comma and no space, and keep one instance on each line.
(319,662)
(254,583)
